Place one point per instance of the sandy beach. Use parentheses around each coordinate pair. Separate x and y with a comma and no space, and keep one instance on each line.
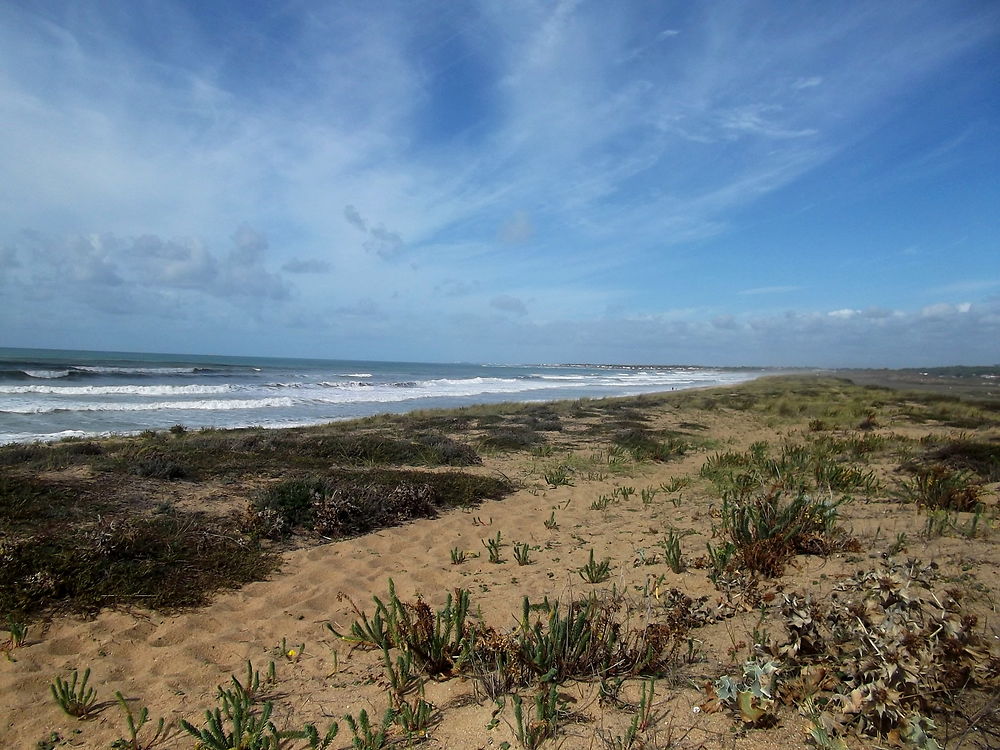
(623,479)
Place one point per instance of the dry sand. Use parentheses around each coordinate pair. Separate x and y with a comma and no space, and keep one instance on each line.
(173,664)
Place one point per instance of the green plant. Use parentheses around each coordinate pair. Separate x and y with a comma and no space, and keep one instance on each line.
(366,737)
(643,720)
(595,572)
(675,484)
(938,523)
(236,724)
(135,725)
(719,559)
(753,697)
(316,741)
(379,632)
(557,476)
(543,724)
(493,546)
(522,553)
(648,494)
(671,545)
(253,685)
(416,718)
(550,522)
(18,635)
(73,695)
(940,488)
(458,556)
(438,641)
(765,531)
(400,674)
(18,632)
(49,742)
(969,530)
(602,502)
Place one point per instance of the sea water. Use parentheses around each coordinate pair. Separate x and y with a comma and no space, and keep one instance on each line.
(50,394)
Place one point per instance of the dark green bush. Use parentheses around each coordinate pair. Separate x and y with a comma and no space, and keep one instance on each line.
(356,502)
(161,562)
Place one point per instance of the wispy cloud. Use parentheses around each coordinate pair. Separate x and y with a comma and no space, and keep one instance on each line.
(503,152)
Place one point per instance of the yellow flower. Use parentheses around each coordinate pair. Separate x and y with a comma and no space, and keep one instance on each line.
(292,653)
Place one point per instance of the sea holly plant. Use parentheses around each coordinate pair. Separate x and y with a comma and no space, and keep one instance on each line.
(753,696)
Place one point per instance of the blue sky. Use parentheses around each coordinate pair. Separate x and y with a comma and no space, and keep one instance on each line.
(763,183)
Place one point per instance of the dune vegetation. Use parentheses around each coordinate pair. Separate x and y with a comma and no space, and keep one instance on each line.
(796,561)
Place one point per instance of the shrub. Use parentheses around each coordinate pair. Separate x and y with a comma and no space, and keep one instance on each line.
(162,562)
(511,438)
(356,502)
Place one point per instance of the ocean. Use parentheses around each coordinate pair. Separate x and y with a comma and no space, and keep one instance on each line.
(50,394)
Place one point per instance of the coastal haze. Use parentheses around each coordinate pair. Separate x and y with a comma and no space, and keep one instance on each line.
(50,395)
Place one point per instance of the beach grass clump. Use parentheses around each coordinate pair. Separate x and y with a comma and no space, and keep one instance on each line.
(581,639)
(764,531)
(493,546)
(438,642)
(793,467)
(17,636)
(367,736)
(671,546)
(557,476)
(937,487)
(522,553)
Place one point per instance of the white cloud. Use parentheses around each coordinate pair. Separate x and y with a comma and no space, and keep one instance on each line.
(807,83)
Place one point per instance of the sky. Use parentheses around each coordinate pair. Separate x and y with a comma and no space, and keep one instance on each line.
(717,183)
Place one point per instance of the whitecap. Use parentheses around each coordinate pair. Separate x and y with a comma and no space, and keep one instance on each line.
(46,374)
